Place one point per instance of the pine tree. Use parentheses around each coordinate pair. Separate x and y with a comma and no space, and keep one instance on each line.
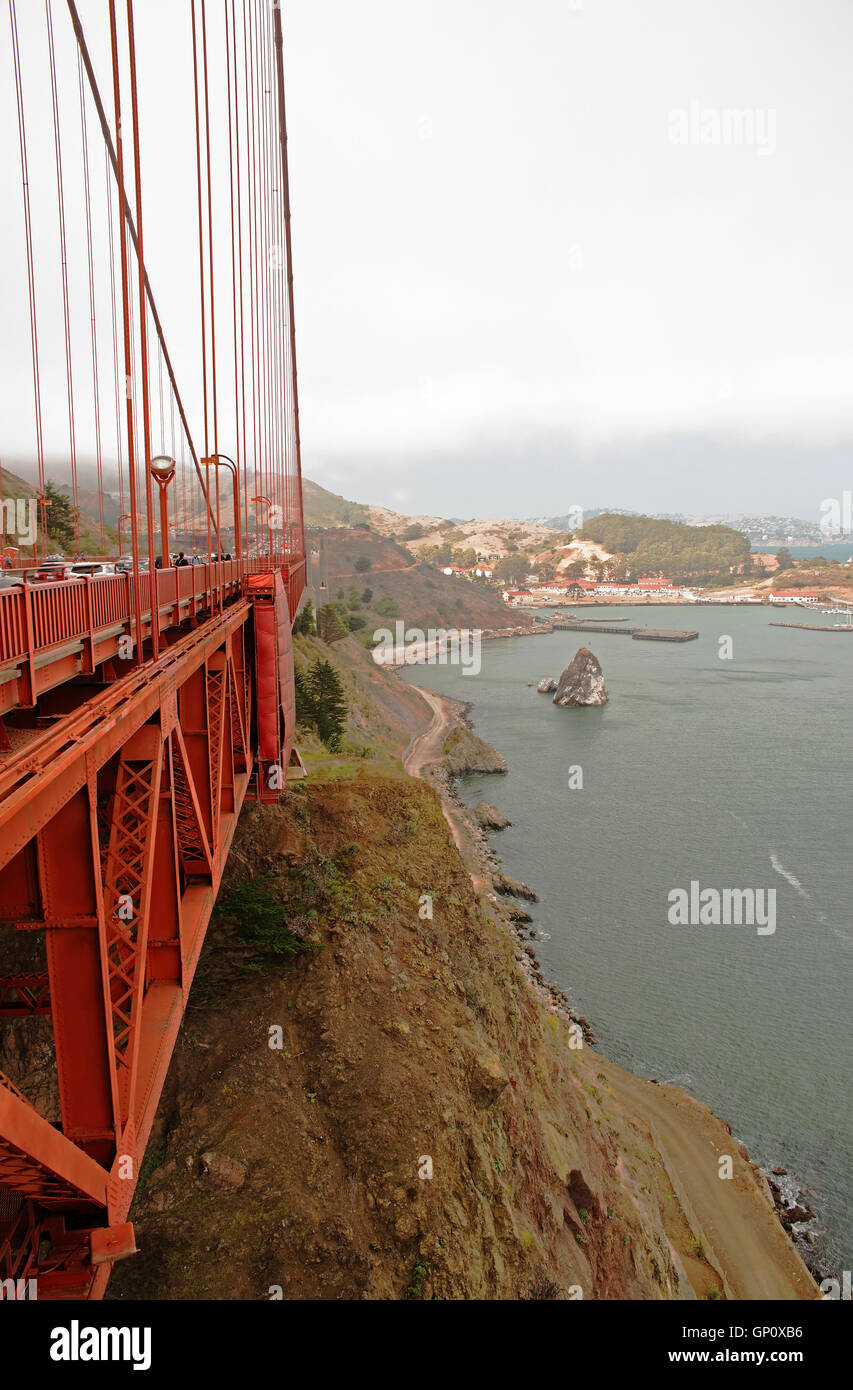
(784,558)
(305,623)
(330,706)
(330,626)
(306,713)
(59,517)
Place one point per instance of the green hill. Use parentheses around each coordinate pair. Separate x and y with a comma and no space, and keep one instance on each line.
(322,508)
(644,545)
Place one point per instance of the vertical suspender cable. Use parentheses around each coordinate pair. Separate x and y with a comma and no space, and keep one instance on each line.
(116,371)
(212,282)
(63,255)
(251,200)
(126,311)
(92,315)
(31,283)
(279,60)
(143,339)
(201,268)
(125,212)
(240,453)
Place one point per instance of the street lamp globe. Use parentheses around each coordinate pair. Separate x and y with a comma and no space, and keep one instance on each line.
(163,468)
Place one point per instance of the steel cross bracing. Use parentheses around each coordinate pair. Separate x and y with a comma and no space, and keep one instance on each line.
(139,710)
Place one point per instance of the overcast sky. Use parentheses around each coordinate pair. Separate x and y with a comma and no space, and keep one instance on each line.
(533,265)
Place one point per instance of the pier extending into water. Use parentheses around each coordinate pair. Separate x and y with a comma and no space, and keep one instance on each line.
(639,634)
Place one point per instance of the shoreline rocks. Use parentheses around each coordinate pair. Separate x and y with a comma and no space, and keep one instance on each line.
(514,888)
(582,682)
(465,753)
(488,817)
(546,686)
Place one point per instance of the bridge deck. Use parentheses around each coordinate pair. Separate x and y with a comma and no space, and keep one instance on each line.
(51,633)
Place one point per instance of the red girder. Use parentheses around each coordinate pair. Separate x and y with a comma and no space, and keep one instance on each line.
(24,995)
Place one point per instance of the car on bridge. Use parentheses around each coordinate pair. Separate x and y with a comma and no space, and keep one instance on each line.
(92,568)
(49,571)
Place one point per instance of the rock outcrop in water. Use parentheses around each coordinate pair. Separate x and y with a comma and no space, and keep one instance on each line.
(582,682)
(547,685)
(488,817)
(465,753)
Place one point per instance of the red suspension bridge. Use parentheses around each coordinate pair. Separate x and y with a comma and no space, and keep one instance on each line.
(138,709)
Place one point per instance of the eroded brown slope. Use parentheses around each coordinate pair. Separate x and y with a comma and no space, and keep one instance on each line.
(402,1038)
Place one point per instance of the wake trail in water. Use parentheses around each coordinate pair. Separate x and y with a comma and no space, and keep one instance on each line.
(795,883)
(786,874)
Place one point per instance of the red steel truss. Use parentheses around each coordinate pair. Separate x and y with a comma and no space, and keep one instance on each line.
(139,710)
(115,824)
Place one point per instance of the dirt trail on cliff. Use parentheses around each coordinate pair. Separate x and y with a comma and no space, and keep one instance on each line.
(742,1238)
(427,746)
(427,749)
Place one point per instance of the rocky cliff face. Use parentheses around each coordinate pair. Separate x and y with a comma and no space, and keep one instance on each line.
(582,682)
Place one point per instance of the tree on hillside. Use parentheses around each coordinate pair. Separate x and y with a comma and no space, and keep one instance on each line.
(438,555)
(576,570)
(305,714)
(512,569)
(330,706)
(366,595)
(330,626)
(362,564)
(305,623)
(413,532)
(60,518)
(784,558)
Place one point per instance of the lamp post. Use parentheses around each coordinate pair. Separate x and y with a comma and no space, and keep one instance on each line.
(163,471)
(269,523)
(217,460)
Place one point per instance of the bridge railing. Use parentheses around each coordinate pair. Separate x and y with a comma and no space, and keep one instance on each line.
(35,618)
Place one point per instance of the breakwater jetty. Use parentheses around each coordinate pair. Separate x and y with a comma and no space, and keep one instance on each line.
(638,634)
(816,627)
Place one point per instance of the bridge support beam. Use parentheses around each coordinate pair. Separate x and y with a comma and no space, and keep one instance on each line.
(114,831)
